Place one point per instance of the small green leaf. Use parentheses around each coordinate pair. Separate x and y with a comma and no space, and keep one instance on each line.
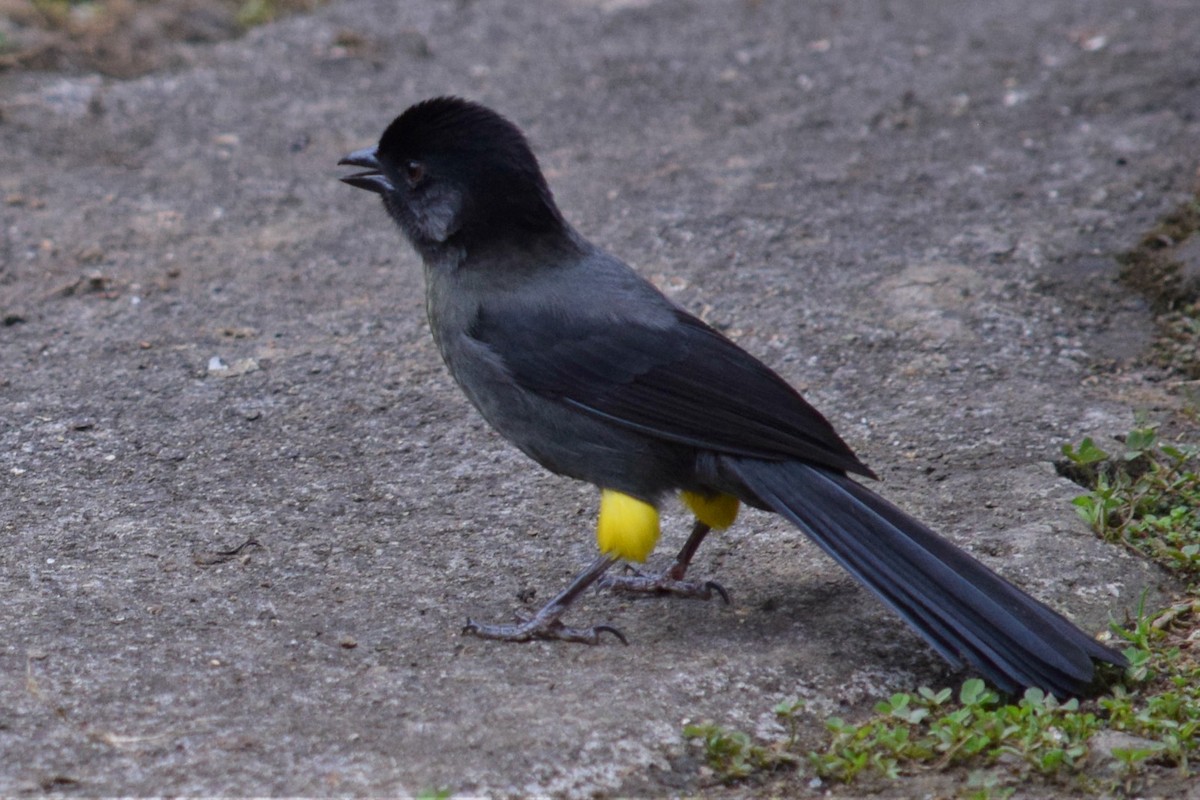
(1138,441)
(1086,453)
(972,692)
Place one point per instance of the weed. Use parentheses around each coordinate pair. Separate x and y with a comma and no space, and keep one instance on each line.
(734,756)
(124,38)
(1147,498)
(926,729)
(1160,698)
(256,12)
(434,794)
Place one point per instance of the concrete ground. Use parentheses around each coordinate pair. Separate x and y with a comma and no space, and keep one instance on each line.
(911,210)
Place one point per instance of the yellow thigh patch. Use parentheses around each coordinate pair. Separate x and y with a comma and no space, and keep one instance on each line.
(627,527)
(714,510)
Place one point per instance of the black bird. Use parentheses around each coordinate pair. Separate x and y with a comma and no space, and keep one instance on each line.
(594,374)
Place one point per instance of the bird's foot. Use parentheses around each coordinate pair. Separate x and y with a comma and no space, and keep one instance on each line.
(669,581)
(539,628)
(546,623)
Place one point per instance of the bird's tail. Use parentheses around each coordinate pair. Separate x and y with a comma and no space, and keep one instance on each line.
(966,611)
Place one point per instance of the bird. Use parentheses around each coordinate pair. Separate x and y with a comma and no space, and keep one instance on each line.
(591,371)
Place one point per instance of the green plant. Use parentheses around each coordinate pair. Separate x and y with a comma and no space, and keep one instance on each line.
(256,12)
(927,729)
(734,756)
(788,713)
(434,794)
(1147,497)
(985,785)
(1160,698)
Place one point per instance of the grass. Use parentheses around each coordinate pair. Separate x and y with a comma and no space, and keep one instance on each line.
(1037,734)
(434,794)
(66,13)
(1145,496)
(734,755)
(124,38)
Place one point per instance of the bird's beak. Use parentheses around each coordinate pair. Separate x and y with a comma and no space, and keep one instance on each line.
(373,179)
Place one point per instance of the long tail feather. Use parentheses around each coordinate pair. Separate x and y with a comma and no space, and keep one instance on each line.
(962,608)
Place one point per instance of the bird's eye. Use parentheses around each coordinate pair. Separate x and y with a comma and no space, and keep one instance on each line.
(414,171)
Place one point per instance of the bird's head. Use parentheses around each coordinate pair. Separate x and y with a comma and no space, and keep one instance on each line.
(452,171)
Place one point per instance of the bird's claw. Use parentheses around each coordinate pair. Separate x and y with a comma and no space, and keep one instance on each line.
(713,586)
(599,629)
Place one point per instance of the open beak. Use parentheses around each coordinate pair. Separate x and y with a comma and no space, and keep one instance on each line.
(372,179)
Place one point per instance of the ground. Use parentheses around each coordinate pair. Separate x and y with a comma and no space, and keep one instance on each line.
(245,512)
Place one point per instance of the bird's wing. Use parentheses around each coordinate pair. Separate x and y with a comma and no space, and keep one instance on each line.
(684,383)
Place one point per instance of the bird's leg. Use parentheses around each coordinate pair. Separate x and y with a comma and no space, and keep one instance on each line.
(671,580)
(545,624)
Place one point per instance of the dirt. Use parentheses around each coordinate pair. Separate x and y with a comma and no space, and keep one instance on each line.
(124,38)
(245,512)
(1164,267)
